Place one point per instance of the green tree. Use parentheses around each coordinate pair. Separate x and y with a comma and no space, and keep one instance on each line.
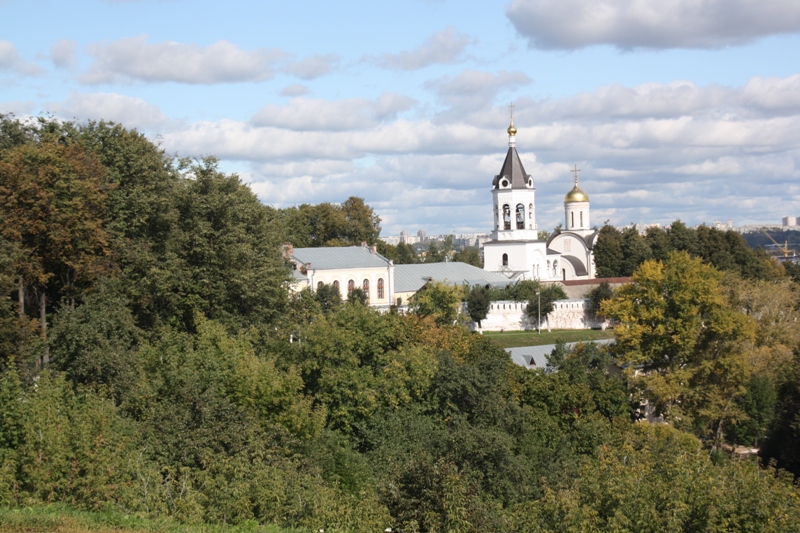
(540,306)
(229,267)
(658,242)
(682,343)
(362,224)
(52,204)
(608,252)
(438,300)
(597,296)
(469,255)
(329,297)
(479,298)
(682,238)
(357,296)
(406,255)
(635,251)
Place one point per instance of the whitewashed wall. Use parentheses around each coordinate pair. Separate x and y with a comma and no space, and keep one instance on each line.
(509,316)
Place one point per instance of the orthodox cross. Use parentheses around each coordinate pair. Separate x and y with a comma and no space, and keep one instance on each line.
(511,110)
(575,171)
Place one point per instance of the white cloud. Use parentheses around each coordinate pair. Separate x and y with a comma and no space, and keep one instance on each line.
(443,48)
(17,108)
(11,60)
(645,151)
(134,59)
(306,114)
(313,67)
(469,93)
(62,53)
(626,24)
(296,89)
(773,95)
(129,111)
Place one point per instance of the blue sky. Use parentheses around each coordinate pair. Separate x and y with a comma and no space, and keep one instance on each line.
(685,109)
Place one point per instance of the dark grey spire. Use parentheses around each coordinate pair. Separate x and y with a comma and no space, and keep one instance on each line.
(512,173)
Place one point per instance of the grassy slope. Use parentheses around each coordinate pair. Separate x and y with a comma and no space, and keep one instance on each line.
(512,339)
(63,519)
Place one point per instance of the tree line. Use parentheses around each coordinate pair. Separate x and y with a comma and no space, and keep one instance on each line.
(619,253)
(169,372)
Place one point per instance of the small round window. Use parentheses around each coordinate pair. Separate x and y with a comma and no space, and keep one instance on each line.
(505,183)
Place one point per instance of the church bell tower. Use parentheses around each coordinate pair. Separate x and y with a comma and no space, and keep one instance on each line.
(513,195)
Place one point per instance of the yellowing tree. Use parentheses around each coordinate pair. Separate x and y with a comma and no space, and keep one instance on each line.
(52,205)
(683,345)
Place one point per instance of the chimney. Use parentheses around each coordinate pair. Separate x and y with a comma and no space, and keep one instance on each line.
(373,249)
(363,244)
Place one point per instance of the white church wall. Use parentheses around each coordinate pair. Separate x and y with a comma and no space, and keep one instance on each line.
(507,315)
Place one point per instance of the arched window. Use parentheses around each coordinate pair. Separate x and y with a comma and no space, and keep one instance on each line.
(506,217)
(320,285)
(505,260)
(573,218)
(365,286)
(581,218)
(336,284)
(555,267)
(380,288)
(520,216)
(350,286)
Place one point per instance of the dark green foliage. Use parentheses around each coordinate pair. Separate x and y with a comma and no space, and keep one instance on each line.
(470,256)
(406,254)
(478,301)
(326,224)
(759,406)
(542,305)
(185,382)
(596,297)
(635,251)
(440,252)
(620,253)
(520,291)
(357,296)
(329,297)
(608,252)
(783,438)
(96,343)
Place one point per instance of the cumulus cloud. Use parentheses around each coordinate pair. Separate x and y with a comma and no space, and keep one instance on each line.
(10,60)
(313,67)
(443,48)
(626,24)
(645,151)
(62,53)
(469,93)
(306,114)
(134,59)
(296,89)
(127,110)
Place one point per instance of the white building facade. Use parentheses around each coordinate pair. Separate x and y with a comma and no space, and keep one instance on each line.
(515,249)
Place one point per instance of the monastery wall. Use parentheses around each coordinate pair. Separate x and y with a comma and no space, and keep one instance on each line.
(510,316)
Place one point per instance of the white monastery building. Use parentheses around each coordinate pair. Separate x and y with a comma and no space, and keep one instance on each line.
(515,249)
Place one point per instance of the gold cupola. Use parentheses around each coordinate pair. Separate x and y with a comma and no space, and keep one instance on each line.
(576,194)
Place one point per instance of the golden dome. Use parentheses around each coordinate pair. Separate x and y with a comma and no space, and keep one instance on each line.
(576,195)
(511,129)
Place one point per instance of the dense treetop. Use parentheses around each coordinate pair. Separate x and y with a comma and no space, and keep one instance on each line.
(152,362)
